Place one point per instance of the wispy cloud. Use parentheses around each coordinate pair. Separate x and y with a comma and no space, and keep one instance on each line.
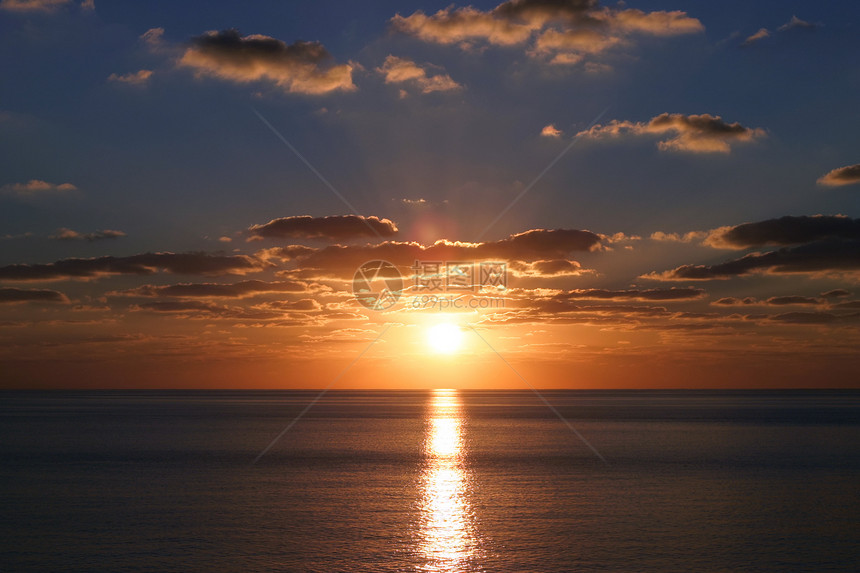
(757,37)
(138,78)
(35,187)
(33,5)
(797,24)
(65,234)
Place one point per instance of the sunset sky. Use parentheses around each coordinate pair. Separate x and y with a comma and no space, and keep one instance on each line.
(187,189)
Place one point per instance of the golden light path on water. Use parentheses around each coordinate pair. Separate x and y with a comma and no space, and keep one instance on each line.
(447,537)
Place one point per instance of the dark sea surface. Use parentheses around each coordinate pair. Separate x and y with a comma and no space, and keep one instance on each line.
(430,481)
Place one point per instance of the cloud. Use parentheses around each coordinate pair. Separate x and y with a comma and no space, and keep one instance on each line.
(335,227)
(688,237)
(785,300)
(32,5)
(143,264)
(399,70)
(691,133)
(65,234)
(240,289)
(35,187)
(547,268)
(819,257)
(758,36)
(153,36)
(848,175)
(796,23)
(784,231)
(559,32)
(835,293)
(529,246)
(686,293)
(10,295)
(301,67)
(138,78)
(734,301)
(550,131)
(806,318)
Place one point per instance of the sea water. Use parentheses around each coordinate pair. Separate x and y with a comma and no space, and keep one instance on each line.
(440,480)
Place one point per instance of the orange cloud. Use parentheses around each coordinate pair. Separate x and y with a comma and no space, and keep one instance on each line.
(64,234)
(690,133)
(848,175)
(35,187)
(562,31)
(550,131)
(33,5)
(138,78)
(399,70)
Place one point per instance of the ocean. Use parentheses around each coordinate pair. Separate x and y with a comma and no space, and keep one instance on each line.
(441,480)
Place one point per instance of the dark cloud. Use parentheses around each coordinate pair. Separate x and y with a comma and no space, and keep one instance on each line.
(302,67)
(686,293)
(196,307)
(559,32)
(772,301)
(847,175)
(204,290)
(851,304)
(529,246)
(784,300)
(835,293)
(784,231)
(734,301)
(806,318)
(819,257)
(65,234)
(335,227)
(144,264)
(22,295)
(692,133)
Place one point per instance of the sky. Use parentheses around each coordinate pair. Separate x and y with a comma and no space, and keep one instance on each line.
(665,194)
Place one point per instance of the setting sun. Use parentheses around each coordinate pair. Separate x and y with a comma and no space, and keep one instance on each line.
(445,338)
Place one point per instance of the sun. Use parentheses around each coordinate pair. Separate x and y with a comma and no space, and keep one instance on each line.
(445,338)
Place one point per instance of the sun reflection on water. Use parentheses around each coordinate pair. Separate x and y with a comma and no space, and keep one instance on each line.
(448,540)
